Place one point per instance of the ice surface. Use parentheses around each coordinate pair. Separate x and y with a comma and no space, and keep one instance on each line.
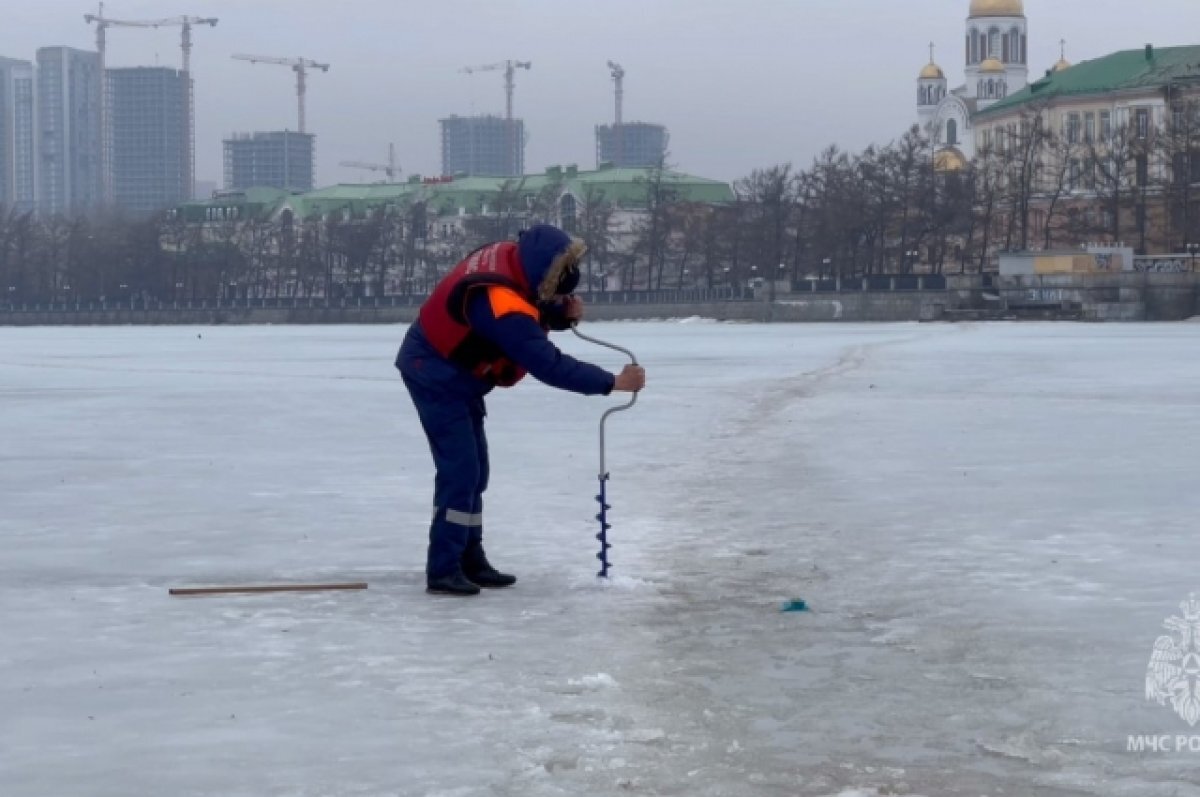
(989,522)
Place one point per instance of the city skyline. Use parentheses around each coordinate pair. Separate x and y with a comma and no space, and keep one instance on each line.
(738,88)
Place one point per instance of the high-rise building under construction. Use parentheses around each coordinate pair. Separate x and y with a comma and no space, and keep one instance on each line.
(150,140)
(278,159)
(483,146)
(633,144)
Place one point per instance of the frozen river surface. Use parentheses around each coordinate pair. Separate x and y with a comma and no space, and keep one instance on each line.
(990,524)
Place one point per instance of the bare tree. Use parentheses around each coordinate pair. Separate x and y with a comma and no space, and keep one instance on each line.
(989,183)
(1115,157)
(910,176)
(1022,149)
(653,233)
(1066,173)
(951,199)
(502,217)
(18,235)
(596,229)
(770,197)
(1177,149)
(834,182)
(312,256)
(542,206)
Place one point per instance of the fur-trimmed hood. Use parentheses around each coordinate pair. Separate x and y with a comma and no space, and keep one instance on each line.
(548,255)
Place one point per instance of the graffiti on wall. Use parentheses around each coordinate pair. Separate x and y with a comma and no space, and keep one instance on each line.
(1047,295)
(1162,265)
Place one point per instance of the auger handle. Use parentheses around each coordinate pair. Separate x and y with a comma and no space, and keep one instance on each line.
(621,408)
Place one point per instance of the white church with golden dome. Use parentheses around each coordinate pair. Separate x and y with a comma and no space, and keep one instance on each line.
(997,65)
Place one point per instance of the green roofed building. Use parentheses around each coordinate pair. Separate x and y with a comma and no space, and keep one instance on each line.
(1130,94)
(420,227)
(560,195)
(1124,80)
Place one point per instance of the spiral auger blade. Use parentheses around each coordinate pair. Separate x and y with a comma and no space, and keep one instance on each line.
(602,537)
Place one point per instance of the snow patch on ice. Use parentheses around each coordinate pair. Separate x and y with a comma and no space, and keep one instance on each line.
(694,319)
(598,681)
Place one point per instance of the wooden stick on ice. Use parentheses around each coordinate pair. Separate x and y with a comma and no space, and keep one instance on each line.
(249,588)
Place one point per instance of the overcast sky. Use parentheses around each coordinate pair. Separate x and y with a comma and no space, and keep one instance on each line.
(740,83)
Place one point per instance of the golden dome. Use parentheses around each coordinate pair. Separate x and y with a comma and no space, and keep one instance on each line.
(949,160)
(991,65)
(997,8)
(932,72)
(1062,64)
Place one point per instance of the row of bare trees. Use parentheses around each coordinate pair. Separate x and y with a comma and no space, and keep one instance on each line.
(1090,177)
(908,206)
(893,209)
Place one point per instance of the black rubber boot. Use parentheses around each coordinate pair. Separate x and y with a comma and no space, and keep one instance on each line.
(477,568)
(454,584)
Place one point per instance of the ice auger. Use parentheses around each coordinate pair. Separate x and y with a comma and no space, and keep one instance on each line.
(602,498)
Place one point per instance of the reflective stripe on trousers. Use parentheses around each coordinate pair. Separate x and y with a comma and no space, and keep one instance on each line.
(460,518)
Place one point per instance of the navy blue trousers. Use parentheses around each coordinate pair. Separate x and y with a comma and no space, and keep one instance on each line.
(454,427)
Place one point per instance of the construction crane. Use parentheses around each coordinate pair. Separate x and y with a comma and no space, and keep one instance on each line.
(298,65)
(618,76)
(390,168)
(102,24)
(510,70)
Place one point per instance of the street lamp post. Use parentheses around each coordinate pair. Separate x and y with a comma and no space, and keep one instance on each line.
(912,256)
(1193,250)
